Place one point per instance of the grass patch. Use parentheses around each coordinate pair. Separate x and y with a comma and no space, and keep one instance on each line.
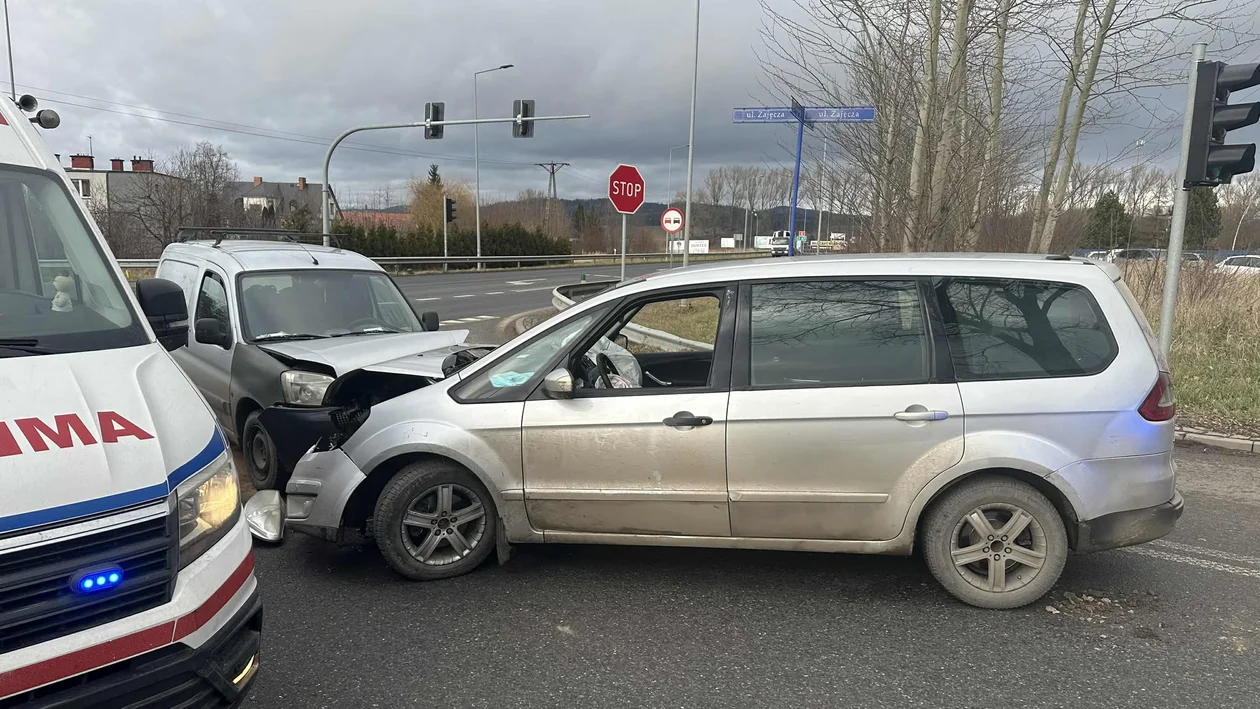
(694,319)
(1216,344)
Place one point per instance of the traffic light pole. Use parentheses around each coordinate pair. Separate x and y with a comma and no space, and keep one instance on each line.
(1177,229)
(446,229)
(796,185)
(517,119)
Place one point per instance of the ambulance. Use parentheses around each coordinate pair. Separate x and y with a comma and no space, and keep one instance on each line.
(126,569)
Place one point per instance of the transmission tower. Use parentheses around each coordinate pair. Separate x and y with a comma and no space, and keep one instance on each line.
(552,168)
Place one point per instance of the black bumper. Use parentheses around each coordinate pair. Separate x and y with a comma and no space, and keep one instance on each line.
(1122,529)
(173,676)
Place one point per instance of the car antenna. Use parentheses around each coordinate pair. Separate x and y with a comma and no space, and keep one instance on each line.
(290,237)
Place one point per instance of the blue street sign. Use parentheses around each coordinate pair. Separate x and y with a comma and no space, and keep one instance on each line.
(813,114)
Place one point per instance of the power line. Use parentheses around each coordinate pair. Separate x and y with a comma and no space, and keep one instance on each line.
(552,168)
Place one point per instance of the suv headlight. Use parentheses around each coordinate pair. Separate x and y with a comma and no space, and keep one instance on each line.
(304,388)
(208,505)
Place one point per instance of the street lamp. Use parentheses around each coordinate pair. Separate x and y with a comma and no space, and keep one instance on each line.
(691,139)
(477,156)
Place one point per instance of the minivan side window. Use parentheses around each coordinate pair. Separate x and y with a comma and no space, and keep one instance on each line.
(212,301)
(837,333)
(1019,329)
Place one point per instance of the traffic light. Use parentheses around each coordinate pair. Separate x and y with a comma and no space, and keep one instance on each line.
(523,128)
(449,210)
(1211,162)
(434,112)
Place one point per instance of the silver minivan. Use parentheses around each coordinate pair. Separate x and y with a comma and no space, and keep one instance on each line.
(993,412)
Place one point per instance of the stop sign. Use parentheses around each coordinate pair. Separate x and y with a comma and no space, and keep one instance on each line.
(625,189)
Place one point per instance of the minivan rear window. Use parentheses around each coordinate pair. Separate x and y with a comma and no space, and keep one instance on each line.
(1020,329)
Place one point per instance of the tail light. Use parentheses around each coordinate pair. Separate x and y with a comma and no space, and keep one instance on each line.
(1159,405)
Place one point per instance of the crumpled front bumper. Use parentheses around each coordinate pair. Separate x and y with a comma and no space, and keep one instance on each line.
(317,494)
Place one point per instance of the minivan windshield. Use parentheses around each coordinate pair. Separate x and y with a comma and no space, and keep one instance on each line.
(58,292)
(310,303)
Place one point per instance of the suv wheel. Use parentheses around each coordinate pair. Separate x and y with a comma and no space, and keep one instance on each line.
(434,520)
(260,456)
(995,543)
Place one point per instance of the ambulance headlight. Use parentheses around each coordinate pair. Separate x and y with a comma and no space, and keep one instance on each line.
(208,505)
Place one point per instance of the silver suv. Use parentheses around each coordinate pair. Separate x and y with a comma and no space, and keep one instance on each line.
(994,412)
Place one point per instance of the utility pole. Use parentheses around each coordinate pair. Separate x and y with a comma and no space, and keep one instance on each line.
(823,169)
(691,141)
(477,156)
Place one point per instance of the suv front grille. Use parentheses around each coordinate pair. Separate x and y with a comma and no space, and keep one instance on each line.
(38,603)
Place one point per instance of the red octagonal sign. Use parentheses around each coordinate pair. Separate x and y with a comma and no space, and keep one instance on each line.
(625,189)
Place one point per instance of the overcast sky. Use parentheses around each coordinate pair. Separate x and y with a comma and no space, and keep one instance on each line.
(315,67)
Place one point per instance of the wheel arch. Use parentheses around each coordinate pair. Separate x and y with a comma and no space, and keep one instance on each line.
(1067,512)
(361,505)
(244,408)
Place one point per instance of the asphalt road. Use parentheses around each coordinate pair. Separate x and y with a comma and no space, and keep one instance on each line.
(471,297)
(1175,623)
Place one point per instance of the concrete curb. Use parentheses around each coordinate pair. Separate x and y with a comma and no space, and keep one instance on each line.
(1191,434)
(515,324)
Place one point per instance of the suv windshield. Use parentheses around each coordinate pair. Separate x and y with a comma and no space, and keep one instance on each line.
(278,305)
(58,293)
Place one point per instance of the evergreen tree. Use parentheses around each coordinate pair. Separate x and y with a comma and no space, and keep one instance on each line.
(1203,218)
(434,177)
(1108,225)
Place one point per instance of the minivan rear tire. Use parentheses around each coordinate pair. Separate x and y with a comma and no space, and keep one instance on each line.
(953,533)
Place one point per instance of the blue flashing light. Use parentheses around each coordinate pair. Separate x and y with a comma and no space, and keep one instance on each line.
(98,580)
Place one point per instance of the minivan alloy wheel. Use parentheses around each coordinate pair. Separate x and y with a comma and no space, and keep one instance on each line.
(998,547)
(443,524)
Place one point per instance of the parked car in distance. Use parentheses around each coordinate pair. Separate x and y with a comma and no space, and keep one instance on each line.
(993,411)
(277,322)
(1240,265)
(1097,255)
(1118,255)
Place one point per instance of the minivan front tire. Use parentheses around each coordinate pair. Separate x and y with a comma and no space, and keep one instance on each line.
(994,542)
(260,456)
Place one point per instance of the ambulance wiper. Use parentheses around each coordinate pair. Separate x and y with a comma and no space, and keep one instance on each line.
(22,346)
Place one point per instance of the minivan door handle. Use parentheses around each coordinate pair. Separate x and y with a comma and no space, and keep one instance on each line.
(687,419)
(918,413)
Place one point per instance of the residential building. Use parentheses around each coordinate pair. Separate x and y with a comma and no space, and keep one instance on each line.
(278,202)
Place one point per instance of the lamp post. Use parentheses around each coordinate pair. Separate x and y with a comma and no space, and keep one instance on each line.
(477,157)
(691,139)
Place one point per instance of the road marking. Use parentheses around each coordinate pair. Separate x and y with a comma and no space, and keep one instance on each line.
(485,317)
(421,300)
(495,292)
(470,295)
(1193,561)
(470,319)
(526,282)
(531,290)
(1227,556)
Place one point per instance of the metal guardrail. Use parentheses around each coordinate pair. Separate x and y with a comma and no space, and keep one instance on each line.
(561,299)
(555,258)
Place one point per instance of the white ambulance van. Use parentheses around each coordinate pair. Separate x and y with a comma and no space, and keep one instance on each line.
(126,569)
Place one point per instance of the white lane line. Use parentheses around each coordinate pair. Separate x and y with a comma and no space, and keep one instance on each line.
(530,290)
(495,292)
(1193,561)
(526,282)
(470,295)
(1203,551)
(421,300)
(485,317)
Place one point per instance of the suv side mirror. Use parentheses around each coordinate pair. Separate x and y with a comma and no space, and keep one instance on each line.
(209,331)
(163,304)
(429,321)
(558,384)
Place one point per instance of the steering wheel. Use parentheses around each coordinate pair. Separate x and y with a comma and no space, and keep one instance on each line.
(606,367)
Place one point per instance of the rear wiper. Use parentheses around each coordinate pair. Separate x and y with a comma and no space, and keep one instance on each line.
(274,336)
(25,346)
